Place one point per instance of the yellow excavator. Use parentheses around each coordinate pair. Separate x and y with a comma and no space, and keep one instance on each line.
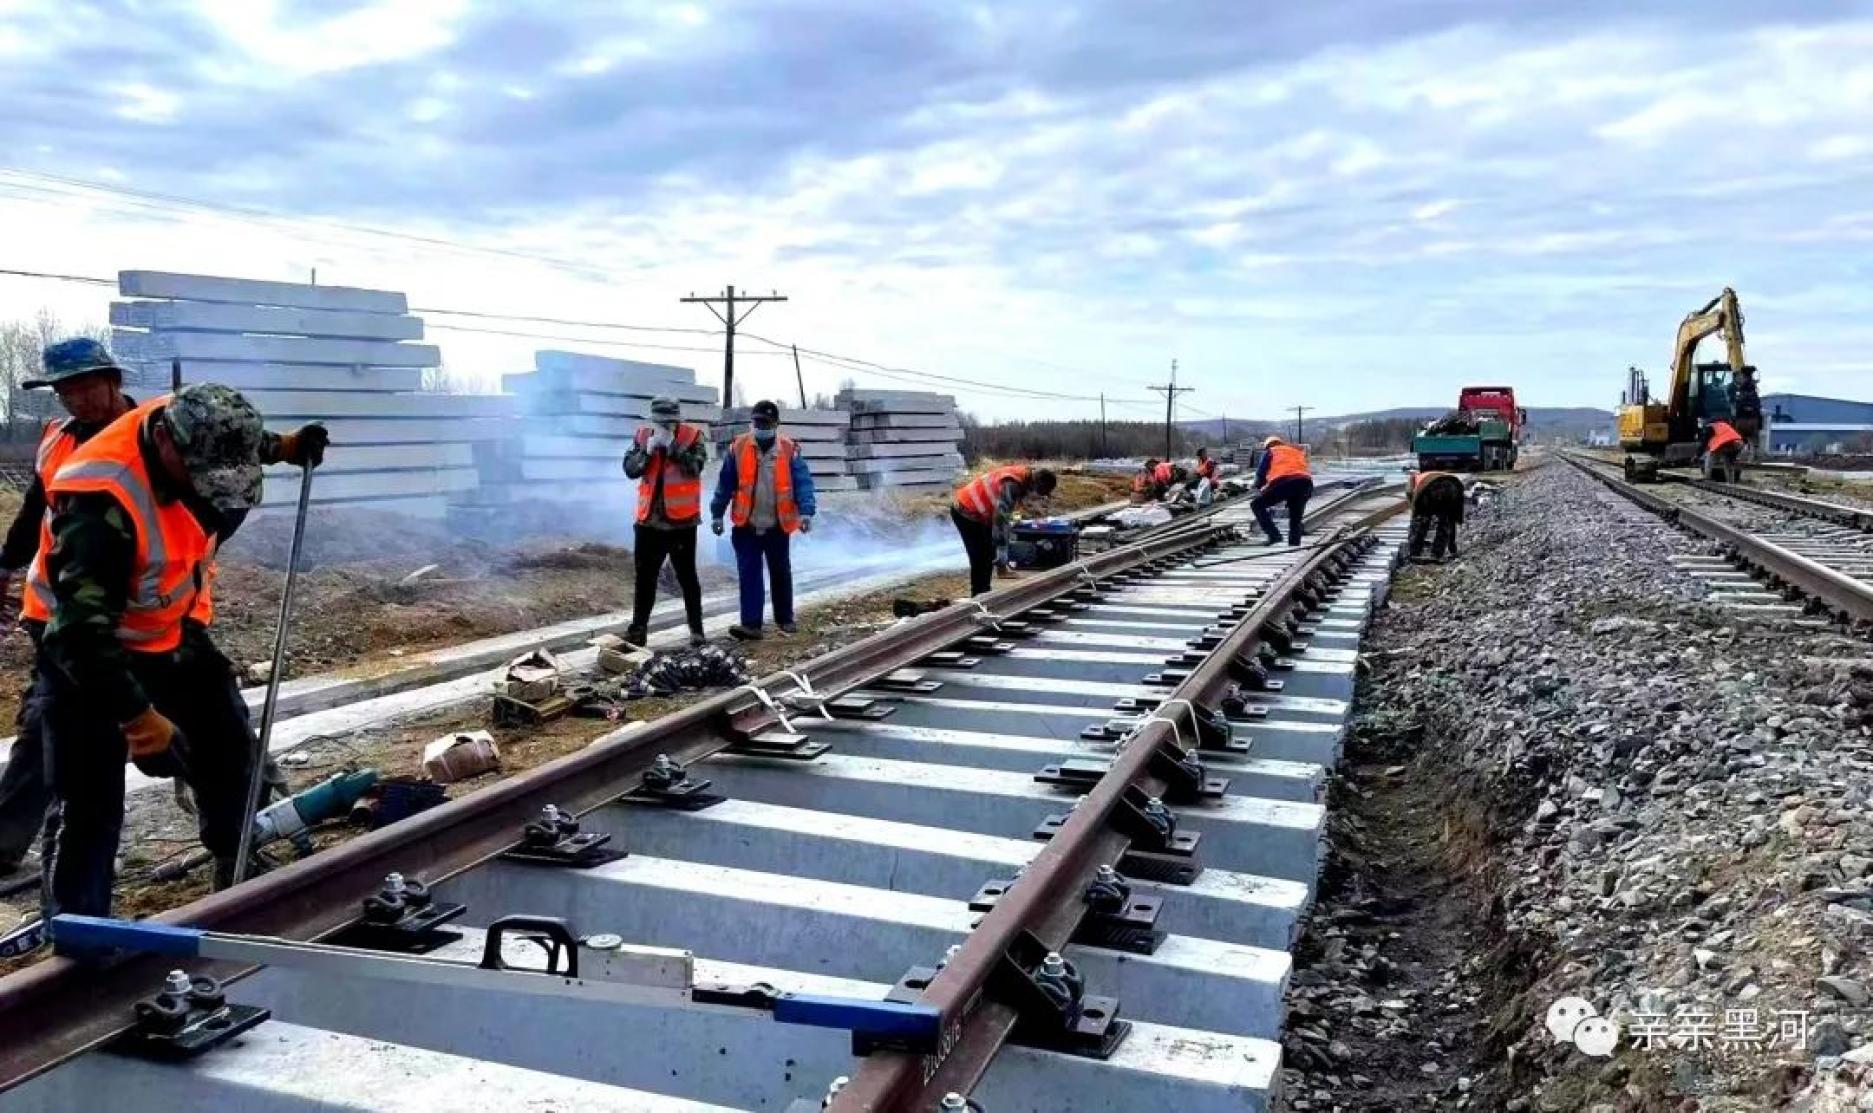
(1669,431)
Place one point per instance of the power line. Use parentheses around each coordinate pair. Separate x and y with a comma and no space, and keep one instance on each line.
(730,319)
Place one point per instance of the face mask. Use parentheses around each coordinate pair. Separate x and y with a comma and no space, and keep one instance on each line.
(764,436)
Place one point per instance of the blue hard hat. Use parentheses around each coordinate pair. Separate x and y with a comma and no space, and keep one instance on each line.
(68,359)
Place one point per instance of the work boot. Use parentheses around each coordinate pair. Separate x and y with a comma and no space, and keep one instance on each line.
(698,639)
(746,633)
(1270,541)
(789,628)
(224,873)
(637,636)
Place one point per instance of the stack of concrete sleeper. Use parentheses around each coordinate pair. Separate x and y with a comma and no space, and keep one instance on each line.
(902,439)
(336,354)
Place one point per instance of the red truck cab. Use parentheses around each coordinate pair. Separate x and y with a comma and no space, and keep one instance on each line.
(1499,400)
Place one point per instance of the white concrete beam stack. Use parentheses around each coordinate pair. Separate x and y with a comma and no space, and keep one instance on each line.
(902,439)
(301,353)
(820,435)
(578,415)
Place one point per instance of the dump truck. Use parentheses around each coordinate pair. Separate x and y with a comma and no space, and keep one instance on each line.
(1483,433)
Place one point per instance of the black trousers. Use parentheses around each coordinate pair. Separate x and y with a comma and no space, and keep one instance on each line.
(1294,490)
(85,751)
(1439,505)
(678,546)
(979,543)
(24,794)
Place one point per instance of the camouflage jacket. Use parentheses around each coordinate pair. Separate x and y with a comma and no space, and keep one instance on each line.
(94,546)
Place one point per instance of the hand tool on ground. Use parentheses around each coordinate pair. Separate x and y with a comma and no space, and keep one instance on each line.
(330,799)
(257,766)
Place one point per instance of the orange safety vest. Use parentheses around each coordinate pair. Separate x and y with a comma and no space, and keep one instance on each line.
(976,498)
(682,493)
(1723,433)
(174,555)
(56,445)
(1161,475)
(747,456)
(1206,469)
(1419,480)
(1285,460)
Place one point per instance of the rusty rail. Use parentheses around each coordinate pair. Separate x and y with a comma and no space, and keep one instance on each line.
(60,1008)
(1048,901)
(1837,590)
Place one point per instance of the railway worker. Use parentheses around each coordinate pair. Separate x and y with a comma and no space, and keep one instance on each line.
(667,458)
(1206,467)
(1282,477)
(1437,499)
(983,511)
(89,385)
(1723,447)
(126,668)
(1142,482)
(767,490)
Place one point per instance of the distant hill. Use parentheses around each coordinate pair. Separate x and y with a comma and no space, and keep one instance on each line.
(1545,421)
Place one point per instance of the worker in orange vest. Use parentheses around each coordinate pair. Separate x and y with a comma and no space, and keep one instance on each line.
(1206,467)
(1143,482)
(1723,447)
(666,458)
(89,385)
(1436,499)
(768,491)
(983,511)
(126,667)
(1282,477)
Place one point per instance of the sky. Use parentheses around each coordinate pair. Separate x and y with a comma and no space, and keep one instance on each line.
(1343,204)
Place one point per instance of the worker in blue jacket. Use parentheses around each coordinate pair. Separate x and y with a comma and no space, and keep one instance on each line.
(765,486)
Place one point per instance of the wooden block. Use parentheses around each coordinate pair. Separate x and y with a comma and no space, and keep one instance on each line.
(386,457)
(339,403)
(151,346)
(562,381)
(905,436)
(281,376)
(366,430)
(247,291)
(204,316)
(950,461)
(552,359)
(284,488)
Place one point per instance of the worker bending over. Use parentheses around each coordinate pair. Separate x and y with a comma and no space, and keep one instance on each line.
(1144,481)
(765,486)
(983,510)
(666,458)
(89,385)
(126,667)
(1281,477)
(1723,448)
(1436,499)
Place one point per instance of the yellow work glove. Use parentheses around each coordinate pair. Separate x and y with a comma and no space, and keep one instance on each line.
(149,734)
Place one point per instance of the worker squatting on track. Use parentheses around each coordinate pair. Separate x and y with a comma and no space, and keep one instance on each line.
(89,386)
(1282,477)
(1436,502)
(125,668)
(1723,448)
(667,458)
(983,510)
(767,490)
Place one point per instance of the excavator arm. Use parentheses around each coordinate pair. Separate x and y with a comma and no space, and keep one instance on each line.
(1720,314)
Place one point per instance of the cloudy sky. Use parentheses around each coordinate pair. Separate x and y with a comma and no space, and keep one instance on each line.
(1343,204)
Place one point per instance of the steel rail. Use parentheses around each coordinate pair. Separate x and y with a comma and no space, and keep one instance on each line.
(1845,594)
(59,1008)
(1797,504)
(1047,898)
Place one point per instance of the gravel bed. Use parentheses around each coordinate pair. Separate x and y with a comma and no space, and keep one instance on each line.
(1570,777)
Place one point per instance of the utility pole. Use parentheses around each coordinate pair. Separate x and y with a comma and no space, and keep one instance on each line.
(1103,451)
(1225,430)
(1298,411)
(1170,391)
(729,318)
(797,377)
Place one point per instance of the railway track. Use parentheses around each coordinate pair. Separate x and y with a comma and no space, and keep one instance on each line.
(884,865)
(1776,547)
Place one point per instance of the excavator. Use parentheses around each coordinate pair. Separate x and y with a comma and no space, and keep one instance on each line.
(1669,432)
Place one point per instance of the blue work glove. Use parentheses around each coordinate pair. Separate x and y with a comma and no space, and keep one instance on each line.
(715,526)
(806,525)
